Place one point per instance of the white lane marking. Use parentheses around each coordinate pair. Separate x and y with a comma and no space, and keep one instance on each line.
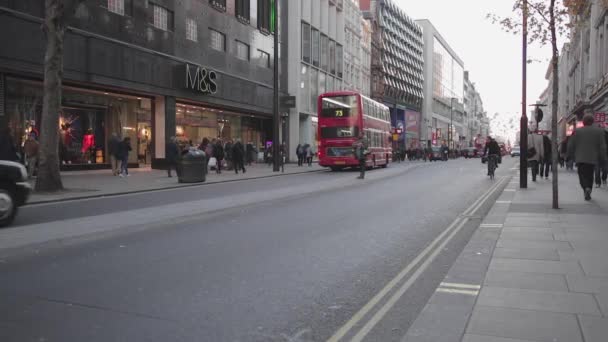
(510,190)
(460,285)
(340,333)
(503,202)
(464,292)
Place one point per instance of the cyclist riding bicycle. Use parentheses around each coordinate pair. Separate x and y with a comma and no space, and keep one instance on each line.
(492,151)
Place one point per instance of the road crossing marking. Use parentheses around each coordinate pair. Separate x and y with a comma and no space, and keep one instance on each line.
(464,292)
(460,285)
(418,266)
(491,225)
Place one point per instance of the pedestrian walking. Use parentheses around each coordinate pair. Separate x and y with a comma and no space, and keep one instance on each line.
(172,151)
(30,149)
(228,152)
(536,151)
(123,153)
(601,170)
(250,153)
(8,151)
(113,144)
(588,147)
(360,150)
(547,159)
(308,153)
(238,154)
(218,153)
(300,154)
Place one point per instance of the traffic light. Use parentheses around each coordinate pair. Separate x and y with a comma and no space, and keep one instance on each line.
(538,113)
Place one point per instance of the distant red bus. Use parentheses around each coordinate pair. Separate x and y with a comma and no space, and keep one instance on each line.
(343,115)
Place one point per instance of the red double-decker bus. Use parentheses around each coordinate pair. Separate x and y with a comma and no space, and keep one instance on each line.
(343,115)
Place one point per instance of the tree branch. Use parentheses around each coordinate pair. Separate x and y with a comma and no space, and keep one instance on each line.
(540,13)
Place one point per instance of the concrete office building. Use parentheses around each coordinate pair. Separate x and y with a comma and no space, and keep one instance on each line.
(315,61)
(146,69)
(397,66)
(357,49)
(443,107)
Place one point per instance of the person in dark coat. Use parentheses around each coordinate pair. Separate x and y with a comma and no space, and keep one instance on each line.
(300,154)
(229,157)
(588,147)
(238,154)
(547,161)
(601,171)
(123,153)
(8,151)
(250,153)
(172,155)
(113,151)
(218,153)
(360,151)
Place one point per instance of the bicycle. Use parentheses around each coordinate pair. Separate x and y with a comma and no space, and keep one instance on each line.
(492,164)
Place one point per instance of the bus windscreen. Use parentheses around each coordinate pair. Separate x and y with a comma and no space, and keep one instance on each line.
(339,106)
(339,132)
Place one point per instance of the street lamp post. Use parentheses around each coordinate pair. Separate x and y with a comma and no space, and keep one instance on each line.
(451,132)
(276,145)
(523,125)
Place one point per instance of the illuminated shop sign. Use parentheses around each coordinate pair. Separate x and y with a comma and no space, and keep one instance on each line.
(201,79)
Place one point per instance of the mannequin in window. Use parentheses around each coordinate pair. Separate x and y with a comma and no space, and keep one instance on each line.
(88,145)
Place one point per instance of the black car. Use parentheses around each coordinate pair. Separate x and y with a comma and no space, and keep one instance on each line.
(14,190)
(435,154)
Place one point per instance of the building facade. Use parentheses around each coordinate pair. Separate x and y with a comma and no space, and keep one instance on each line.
(144,69)
(354,48)
(315,63)
(473,115)
(583,69)
(443,90)
(397,63)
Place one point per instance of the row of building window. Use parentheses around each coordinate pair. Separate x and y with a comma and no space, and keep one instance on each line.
(321,51)
(162,17)
(217,42)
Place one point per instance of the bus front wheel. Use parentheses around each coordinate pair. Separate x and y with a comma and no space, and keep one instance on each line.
(335,168)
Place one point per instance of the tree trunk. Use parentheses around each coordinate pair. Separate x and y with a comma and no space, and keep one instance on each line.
(554,104)
(49,178)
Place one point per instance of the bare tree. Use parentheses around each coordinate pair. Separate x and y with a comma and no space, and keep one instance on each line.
(546,20)
(57,15)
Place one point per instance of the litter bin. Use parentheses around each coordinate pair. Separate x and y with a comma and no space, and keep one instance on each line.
(192,167)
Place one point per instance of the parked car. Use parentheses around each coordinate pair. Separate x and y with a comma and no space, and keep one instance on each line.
(435,154)
(470,152)
(515,151)
(14,190)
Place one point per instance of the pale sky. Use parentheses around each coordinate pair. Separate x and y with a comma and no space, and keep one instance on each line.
(492,57)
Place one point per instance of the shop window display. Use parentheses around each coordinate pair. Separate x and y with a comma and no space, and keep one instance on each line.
(194,123)
(86,120)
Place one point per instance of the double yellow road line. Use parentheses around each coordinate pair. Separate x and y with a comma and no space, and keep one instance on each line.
(414,269)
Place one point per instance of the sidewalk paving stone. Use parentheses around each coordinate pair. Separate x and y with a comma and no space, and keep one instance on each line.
(527,253)
(524,324)
(83,184)
(547,279)
(525,280)
(539,266)
(480,338)
(540,300)
(595,329)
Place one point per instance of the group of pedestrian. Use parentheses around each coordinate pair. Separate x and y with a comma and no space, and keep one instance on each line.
(588,148)
(232,153)
(119,155)
(304,153)
(30,149)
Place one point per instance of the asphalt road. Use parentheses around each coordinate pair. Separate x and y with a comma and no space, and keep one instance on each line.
(292,266)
